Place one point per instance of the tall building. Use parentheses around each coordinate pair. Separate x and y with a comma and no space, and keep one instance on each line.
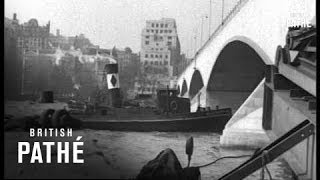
(159,56)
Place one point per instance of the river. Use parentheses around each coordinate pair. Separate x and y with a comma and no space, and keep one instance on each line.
(123,154)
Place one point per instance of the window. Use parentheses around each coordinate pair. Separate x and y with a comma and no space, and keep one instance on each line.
(147,42)
(146,55)
(166,56)
(147,37)
(157,44)
(161,49)
(147,30)
(169,43)
(146,62)
(160,63)
(156,31)
(169,37)
(165,31)
(152,30)
(161,25)
(170,31)
(157,25)
(156,62)
(152,25)
(151,55)
(151,62)
(165,62)
(166,25)
(160,55)
(156,55)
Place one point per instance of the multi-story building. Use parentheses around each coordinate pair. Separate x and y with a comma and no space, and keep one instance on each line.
(159,56)
(43,61)
(31,36)
(30,60)
(160,44)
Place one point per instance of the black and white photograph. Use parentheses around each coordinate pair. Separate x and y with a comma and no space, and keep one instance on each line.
(160,89)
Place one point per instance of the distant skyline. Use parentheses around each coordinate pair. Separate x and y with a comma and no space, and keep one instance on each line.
(119,23)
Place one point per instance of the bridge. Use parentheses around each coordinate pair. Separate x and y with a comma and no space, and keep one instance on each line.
(229,69)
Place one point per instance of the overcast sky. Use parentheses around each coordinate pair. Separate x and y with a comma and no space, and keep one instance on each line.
(119,23)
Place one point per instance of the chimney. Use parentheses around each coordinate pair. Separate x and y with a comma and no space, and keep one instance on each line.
(58,32)
(14,16)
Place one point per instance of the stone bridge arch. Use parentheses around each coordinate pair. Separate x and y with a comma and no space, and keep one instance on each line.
(184,88)
(237,71)
(196,83)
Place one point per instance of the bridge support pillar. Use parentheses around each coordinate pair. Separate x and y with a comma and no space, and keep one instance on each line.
(244,130)
(199,99)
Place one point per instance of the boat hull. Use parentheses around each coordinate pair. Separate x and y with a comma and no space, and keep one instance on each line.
(214,123)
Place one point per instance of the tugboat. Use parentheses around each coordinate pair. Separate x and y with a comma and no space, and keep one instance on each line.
(172,113)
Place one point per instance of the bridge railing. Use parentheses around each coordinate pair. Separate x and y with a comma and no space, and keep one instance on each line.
(224,22)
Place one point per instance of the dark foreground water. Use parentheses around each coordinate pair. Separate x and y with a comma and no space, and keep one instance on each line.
(123,154)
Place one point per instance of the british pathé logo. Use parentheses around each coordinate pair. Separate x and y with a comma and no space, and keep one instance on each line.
(298,14)
(63,149)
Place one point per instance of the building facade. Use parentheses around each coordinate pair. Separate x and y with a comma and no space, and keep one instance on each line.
(31,36)
(159,56)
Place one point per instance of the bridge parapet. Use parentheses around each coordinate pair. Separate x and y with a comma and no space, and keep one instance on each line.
(224,22)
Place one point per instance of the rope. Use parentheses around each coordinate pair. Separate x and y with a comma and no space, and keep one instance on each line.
(264,165)
(225,157)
